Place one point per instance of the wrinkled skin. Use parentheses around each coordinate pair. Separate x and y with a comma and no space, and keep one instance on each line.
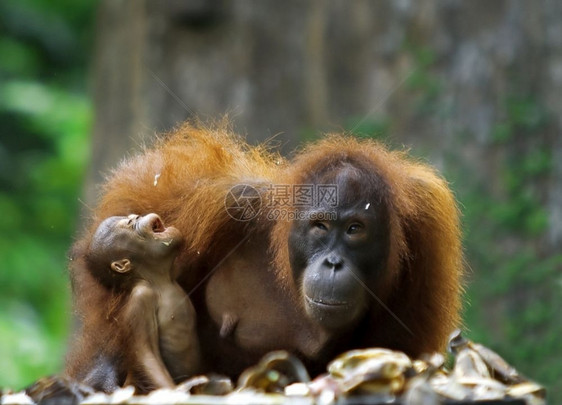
(337,260)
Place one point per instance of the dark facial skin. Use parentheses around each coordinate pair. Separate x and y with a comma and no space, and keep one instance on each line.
(334,259)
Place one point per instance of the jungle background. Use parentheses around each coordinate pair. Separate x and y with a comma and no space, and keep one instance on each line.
(475,88)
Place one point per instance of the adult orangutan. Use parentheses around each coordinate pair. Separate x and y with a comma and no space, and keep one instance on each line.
(378,263)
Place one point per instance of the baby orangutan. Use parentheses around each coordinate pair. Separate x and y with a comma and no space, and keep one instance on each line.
(133,256)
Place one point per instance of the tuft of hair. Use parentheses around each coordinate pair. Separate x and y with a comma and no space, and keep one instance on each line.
(185,177)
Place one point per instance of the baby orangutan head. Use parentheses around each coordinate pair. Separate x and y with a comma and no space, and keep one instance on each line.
(138,245)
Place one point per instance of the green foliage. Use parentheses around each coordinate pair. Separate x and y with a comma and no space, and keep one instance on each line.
(370,127)
(422,80)
(45,116)
(514,288)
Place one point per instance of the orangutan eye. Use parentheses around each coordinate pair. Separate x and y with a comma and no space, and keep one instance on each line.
(320,225)
(133,217)
(354,228)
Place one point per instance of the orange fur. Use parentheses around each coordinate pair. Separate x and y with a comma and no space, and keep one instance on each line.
(425,262)
(197,167)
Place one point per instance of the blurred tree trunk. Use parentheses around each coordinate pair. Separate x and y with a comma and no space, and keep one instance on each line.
(445,76)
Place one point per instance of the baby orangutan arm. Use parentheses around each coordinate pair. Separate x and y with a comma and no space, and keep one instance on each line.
(147,368)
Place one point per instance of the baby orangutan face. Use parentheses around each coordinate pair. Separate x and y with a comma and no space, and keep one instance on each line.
(136,242)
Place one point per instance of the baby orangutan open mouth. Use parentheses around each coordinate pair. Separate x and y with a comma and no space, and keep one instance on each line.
(157,225)
(151,225)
